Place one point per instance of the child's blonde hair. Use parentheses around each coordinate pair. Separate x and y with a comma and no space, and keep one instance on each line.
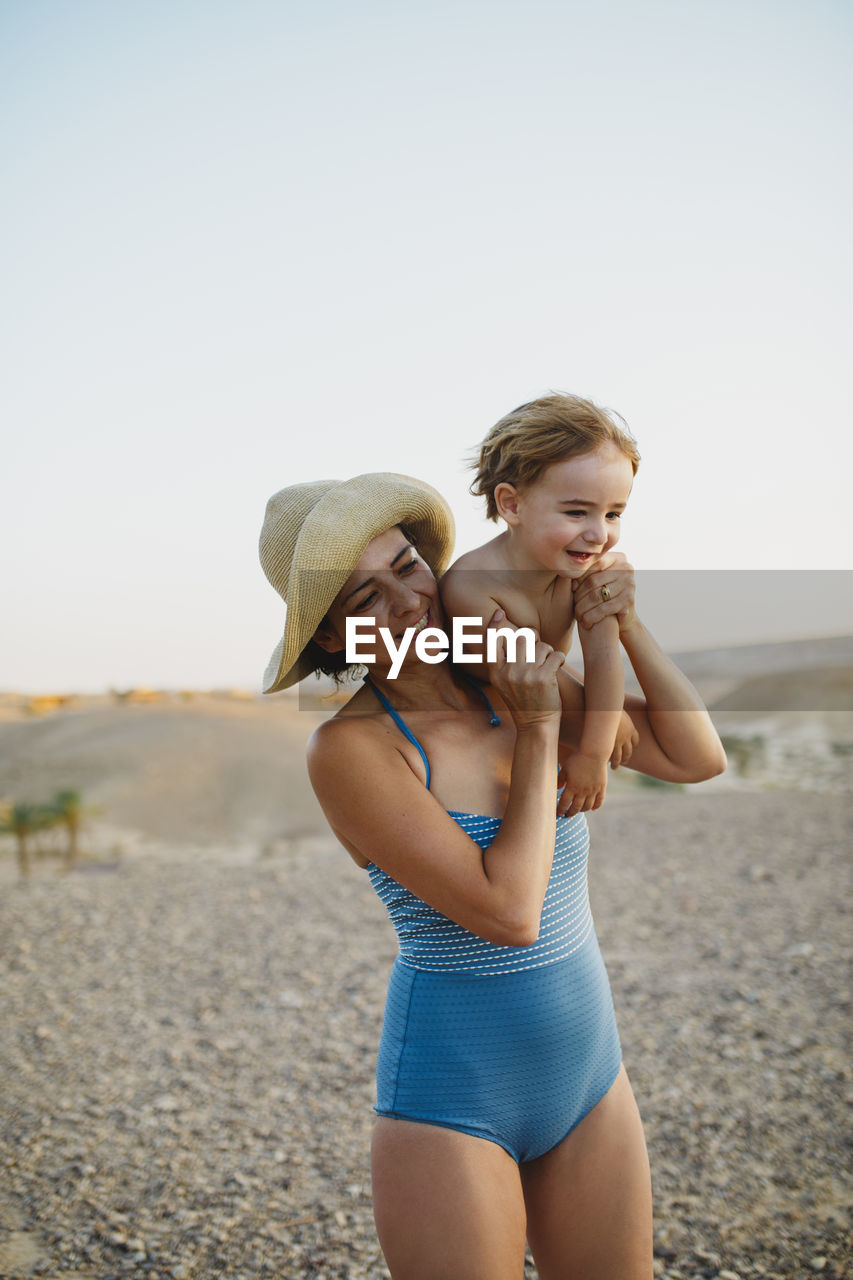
(520,447)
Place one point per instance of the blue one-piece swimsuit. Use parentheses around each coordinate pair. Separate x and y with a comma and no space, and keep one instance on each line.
(512,1044)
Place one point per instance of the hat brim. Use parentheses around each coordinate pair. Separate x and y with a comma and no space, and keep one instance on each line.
(332,540)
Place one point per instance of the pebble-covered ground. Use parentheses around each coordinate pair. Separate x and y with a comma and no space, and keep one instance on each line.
(187,1041)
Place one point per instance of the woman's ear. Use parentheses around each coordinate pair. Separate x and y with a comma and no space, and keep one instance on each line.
(506,501)
(327,637)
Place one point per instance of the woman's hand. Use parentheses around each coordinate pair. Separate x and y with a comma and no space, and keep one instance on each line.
(615,576)
(528,688)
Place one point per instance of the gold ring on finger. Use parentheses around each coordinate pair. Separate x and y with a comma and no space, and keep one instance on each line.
(605,594)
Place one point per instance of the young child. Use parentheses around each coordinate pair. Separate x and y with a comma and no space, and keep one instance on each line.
(558,471)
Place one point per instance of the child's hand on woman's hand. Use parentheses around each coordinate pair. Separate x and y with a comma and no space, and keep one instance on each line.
(613,575)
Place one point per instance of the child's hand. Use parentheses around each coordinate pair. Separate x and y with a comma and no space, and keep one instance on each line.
(626,739)
(585,784)
(613,573)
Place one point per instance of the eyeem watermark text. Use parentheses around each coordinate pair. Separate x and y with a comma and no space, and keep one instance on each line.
(432,644)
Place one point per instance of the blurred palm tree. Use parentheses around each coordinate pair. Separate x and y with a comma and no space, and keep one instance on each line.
(67,808)
(22,819)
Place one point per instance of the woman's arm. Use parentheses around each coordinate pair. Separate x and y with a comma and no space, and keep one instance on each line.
(380,809)
(677,738)
(678,741)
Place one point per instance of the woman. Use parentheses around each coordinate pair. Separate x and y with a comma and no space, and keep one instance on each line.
(504,1113)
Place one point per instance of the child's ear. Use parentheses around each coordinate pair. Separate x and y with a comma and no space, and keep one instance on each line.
(327,637)
(506,501)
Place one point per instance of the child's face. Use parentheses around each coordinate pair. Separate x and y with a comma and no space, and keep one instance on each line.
(571,513)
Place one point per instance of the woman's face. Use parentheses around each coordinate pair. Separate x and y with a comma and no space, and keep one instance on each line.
(390,583)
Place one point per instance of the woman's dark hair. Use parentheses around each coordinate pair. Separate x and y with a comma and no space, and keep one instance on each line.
(330,664)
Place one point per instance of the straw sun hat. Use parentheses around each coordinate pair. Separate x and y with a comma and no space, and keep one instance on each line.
(313,536)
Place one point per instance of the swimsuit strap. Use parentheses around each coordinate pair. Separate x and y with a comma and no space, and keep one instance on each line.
(494,718)
(400,723)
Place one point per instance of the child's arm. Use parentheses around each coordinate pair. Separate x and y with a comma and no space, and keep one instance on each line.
(604,690)
(570,684)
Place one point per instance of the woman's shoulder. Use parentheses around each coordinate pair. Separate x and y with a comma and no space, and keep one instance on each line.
(356,728)
(338,752)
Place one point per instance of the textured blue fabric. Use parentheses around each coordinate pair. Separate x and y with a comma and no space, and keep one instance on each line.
(518,1059)
(512,1044)
(429,940)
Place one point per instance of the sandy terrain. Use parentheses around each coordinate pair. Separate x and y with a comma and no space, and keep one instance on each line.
(189,1019)
(208,771)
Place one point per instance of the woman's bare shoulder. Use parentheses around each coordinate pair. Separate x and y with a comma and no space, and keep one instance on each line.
(359,737)
(344,753)
(357,721)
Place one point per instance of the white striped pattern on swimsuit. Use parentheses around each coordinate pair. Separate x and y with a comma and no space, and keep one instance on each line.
(429,940)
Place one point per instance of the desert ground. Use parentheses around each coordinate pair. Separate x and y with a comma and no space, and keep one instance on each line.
(189,1016)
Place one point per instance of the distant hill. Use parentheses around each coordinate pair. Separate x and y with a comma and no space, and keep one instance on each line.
(821,690)
(206,768)
(201,771)
(793,675)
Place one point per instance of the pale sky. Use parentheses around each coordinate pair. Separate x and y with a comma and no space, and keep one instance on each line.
(248,244)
